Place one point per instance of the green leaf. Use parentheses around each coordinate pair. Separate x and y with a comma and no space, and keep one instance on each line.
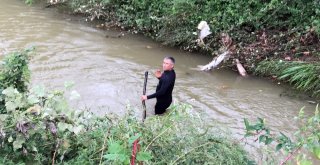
(246,123)
(123,158)
(74,95)
(268,140)
(10,106)
(63,126)
(114,148)
(10,139)
(29,2)
(316,151)
(111,156)
(268,131)
(305,162)
(279,146)
(116,157)
(10,92)
(144,156)
(261,121)
(262,138)
(3,117)
(17,144)
(39,91)
(77,129)
(68,84)
(117,151)
(301,113)
(249,134)
(257,127)
(32,99)
(316,112)
(34,149)
(133,138)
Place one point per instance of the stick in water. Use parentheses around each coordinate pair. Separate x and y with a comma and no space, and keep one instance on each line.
(144,93)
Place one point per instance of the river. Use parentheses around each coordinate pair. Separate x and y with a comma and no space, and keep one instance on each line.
(108,72)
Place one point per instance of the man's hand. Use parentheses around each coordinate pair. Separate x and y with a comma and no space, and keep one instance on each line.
(158,73)
(144,97)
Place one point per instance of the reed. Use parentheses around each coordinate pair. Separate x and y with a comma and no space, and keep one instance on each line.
(303,76)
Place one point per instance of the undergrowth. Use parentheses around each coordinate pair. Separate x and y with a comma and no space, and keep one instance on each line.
(302,75)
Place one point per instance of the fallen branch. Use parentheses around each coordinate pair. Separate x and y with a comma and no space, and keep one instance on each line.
(241,69)
(216,61)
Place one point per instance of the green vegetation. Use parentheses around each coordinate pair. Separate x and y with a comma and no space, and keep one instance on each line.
(173,22)
(14,72)
(38,127)
(302,75)
(307,137)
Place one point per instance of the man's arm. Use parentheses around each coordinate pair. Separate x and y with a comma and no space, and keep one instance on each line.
(164,87)
(158,75)
(144,97)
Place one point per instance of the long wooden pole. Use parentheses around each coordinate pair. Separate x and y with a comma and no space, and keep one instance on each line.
(144,93)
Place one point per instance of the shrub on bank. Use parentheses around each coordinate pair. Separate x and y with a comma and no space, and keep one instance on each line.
(53,133)
(173,22)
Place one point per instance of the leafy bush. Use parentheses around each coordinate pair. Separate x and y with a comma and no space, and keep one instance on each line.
(43,131)
(14,73)
(173,22)
(14,70)
(37,127)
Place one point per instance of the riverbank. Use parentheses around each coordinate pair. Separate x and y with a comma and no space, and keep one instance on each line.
(271,39)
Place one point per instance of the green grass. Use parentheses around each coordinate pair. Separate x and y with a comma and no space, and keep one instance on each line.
(303,76)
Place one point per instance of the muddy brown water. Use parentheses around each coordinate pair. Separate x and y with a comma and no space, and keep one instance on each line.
(108,72)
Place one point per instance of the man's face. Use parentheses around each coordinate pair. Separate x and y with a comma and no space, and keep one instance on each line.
(167,64)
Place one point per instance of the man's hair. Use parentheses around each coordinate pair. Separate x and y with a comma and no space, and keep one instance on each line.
(171,59)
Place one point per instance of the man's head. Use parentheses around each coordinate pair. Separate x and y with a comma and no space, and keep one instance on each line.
(168,63)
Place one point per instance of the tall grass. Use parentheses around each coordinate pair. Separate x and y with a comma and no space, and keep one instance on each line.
(302,75)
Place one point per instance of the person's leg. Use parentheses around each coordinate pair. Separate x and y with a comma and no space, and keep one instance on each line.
(161,107)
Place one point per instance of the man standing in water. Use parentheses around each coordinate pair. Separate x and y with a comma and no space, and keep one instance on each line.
(165,86)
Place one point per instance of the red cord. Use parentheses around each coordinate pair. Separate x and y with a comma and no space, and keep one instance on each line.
(134,151)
